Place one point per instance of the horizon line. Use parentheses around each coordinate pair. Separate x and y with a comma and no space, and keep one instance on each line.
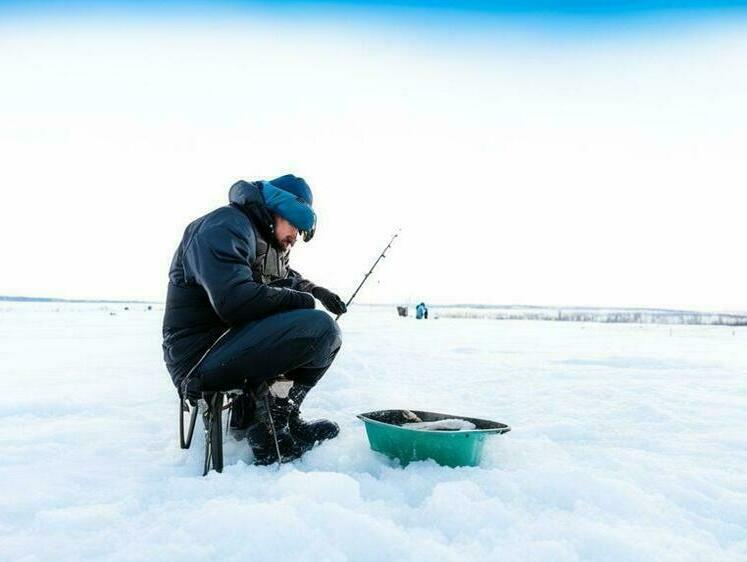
(21,298)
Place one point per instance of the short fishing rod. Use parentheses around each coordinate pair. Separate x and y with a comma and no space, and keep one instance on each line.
(382,255)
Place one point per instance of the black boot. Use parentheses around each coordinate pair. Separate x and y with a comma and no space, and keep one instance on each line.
(307,433)
(242,415)
(269,435)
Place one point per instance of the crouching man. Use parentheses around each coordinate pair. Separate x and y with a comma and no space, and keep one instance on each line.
(237,316)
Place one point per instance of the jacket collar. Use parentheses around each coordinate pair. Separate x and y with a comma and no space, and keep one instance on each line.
(247,197)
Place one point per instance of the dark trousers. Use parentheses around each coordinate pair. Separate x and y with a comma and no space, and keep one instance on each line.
(300,344)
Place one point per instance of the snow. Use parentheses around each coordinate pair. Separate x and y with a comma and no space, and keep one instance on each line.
(588,314)
(454,424)
(628,443)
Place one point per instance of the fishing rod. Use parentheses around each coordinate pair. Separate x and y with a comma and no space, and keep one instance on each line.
(382,255)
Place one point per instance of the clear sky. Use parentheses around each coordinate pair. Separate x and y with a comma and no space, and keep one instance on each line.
(541,153)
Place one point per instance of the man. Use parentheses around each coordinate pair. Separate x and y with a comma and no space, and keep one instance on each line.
(237,316)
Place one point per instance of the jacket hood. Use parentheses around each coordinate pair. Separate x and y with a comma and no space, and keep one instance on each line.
(245,194)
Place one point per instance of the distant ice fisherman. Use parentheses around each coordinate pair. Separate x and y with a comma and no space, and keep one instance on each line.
(421,311)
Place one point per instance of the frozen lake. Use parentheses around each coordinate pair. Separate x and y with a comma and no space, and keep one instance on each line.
(629,443)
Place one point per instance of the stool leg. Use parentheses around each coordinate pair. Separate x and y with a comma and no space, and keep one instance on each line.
(216,440)
(212,418)
(186,440)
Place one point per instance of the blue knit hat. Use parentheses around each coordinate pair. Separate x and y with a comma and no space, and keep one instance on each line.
(290,197)
(295,185)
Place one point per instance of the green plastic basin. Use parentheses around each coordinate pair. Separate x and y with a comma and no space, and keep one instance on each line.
(448,448)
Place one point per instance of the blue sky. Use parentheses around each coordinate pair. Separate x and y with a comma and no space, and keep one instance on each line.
(550,9)
(554,20)
(558,6)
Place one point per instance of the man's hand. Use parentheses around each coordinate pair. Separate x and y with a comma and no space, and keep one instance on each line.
(331,301)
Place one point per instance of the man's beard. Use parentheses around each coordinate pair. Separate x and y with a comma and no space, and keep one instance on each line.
(286,244)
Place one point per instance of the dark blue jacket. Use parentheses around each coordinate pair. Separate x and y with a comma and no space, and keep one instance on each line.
(226,271)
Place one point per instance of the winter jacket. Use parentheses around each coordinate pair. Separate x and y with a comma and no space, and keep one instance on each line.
(226,271)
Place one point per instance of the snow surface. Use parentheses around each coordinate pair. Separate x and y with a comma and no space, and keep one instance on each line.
(441,425)
(629,443)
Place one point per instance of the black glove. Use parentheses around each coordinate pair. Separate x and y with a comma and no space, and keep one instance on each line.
(331,301)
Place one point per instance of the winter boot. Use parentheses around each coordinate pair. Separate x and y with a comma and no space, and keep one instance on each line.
(269,435)
(242,415)
(307,433)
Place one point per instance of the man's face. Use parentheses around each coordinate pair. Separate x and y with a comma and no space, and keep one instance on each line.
(285,233)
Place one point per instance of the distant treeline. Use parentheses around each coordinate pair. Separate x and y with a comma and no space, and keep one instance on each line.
(597,315)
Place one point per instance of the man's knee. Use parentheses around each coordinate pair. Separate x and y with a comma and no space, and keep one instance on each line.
(324,328)
(323,336)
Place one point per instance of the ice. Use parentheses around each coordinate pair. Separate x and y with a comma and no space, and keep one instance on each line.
(628,443)
(442,425)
